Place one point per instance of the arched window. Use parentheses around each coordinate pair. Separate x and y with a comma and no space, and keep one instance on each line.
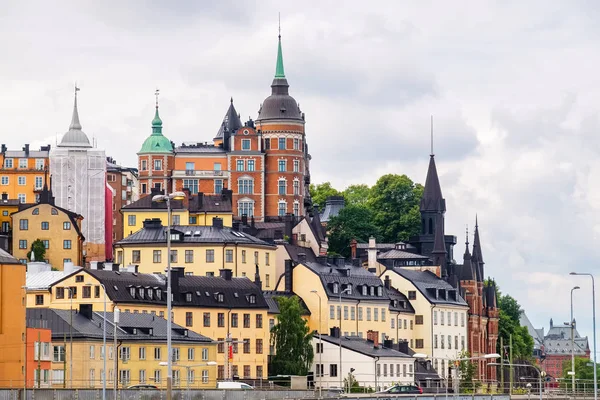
(281,184)
(36,211)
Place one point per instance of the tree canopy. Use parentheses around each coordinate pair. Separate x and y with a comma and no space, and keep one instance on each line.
(320,192)
(509,324)
(353,222)
(37,248)
(291,339)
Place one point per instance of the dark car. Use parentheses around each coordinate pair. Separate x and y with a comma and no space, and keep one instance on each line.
(403,389)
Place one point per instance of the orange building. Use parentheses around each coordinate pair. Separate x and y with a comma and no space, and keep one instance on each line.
(264,162)
(39,355)
(12,321)
(22,173)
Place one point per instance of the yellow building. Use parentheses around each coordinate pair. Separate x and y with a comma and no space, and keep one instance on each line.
(12,321)
(58,228)
(194,210)
(350,298)
(219,307)
(22,173)
(202,250)
(141,350)
(7,207)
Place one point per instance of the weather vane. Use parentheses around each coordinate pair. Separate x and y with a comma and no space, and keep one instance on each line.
(156,93)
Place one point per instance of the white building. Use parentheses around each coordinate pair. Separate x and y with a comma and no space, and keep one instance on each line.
(373,365)
(78,183)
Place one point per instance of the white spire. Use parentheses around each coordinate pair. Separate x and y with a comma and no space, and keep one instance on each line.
(75,124)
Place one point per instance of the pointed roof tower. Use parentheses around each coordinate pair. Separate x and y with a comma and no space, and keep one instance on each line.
(279,105)
(156,142)
(432,199)
(231,122)
(475,259)
(466,271)
(439,247)
(75,137)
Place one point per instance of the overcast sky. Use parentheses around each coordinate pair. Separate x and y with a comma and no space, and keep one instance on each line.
(513,86)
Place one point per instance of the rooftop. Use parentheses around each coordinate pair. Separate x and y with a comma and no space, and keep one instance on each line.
(196,203)
(363,346)
(435,290)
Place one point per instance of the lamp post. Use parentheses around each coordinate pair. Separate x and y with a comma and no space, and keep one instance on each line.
(70,337)
(116,317)
(320,347)
(347,290)
(525,365)
(167,198)
(103,343)
(572,323)
(594,328)
(187,371)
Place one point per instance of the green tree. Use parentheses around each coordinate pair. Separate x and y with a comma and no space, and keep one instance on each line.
(466,371)
(584,372)
(394,201)
(509,324)
(37,248)
(357,194)
(353,222)
(291,339)
(320,192)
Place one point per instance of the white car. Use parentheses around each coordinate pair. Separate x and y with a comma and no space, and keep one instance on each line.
(227,385)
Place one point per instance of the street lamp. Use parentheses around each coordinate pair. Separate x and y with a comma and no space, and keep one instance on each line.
(70,337)
(320,346)
(187,370)
(167,199)
(594,327)
(572,325)
(539,371)
(347,290)
(103,343)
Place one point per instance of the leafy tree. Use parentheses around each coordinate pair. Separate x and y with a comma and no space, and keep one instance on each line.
(38,249)
(320,192)
(466,371)
(357,194)
(353,222)
(291,339)
(584,372)
(395,200)
(509,324)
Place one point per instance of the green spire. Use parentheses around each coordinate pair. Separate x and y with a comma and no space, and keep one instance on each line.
(279,73)
(156,123)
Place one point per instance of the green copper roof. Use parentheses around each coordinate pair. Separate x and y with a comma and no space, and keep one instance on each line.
(279,73)
(156,142)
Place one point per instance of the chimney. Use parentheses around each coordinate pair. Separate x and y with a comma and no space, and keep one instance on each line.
(257,281)
(334,332)
(372,253)
(252,221)
(340,261)
(68,267)
(4,196)
(353,245)
(226,274)
(387,282)
(373,336)
(322,260)
(86,311)
(226,194)
(403,346)
(175,275)
(388,343)
(93,264)
(244,219)
(153,223)
(200,200)
(302,258)
(132,268)
(186,200)
(26,150)
(356,262)
(289,276)
(218,222)
(3,148)
(288,223)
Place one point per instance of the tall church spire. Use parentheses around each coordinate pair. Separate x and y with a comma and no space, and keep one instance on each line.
(432,199)
(75,124)
(439,247)
(279,72)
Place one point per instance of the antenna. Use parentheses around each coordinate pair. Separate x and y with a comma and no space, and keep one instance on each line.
(467,236)
(431,154)
(156,93)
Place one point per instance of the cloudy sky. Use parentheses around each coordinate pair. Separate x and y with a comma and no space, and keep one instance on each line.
(513,86)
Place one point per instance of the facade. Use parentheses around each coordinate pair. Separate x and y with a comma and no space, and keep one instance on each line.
(123,183)
(141,349)
(7,207)
(440,315)
(22,173)
(39,357)
(264,162)
(221,307)
(195,210)
(203,250)
(372,363)
(58,228)
(79,184)
(12,321)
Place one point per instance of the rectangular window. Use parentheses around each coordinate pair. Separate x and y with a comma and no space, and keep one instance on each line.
(218,186)
(192,220)
(282,208)
(204,354)
(435,341)
(39,299)
(462,319)
(46,244)
(281,143)
(435,317)
(234,320)
(66,226)
(22,198)
(239,165)
(156,256)
(189,319)
(296,187)
(192,185)
(38,182)
(45,226)
(246,320)
(266,258)
(217,166)
(125,353)
(333,370)
(441,318)
(189,256)
(246,346)
(251,166)
(296,208)
(259,321)
(221,320)
(331,312)
(173,256)
(245,186)
(86,292)
(412,295)
(135,256)
(131,220)
(456,320)
(456,342)
(296,144)
(22,244)
(5,180)
(282,187)
(282,165)
(418,319)
(346,313)
(229,256)
(449,342)
(462,342)
(21,181)
(158,165)
(142,353)
(246,144)
(24,224)
(22,163)
(368,313)
(352,313)
(376,314)
(210,256)
(419,343)
(66,244)
(259,346)
(190,166)
(296,166)
(360,313)
(144,165)
(8,163)
(206,319)
(190,354)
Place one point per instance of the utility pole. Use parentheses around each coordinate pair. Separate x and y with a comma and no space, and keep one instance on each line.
(116,313)
(39,368)
(510,349)
(228,361)
(64,361)
(502,363)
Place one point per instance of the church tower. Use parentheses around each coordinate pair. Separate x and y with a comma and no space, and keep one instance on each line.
(280,124)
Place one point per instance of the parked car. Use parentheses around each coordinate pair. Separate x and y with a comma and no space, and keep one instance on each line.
(143,386)
(403,389)
(234,385)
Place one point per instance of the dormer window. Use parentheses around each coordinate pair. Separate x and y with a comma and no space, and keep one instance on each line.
(336,288)
(395,303)
(158,294)
(132,292)
(150,294)
(364,290)
(141,292)
(349,288)
(188,297)
(252,299)
(379,291)
(220,297)
(372,290)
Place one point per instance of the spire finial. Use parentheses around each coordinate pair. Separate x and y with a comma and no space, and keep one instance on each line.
(476,224)
(75,124)
(231,100)
(156,122)
(279,25)
(431,154)
(467,236)
(156,94)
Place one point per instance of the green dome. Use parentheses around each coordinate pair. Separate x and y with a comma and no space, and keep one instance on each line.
(157,142)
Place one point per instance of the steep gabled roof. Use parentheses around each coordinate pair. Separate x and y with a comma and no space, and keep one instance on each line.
(432,199)
(363,346)
(231,122)
(430,286)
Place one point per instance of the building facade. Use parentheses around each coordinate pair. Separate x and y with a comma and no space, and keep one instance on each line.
(264,162)
(22,173)
(79,184)
(123,183)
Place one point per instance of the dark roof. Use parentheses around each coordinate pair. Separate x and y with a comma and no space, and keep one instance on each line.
(74,217)
(279,105)
(84,328)
(270,297)
(235,292)
(399,302)
(333,206)
(346,275)
(362,346)
(432,199)
(10,202)
(197,203)
(317,228)
(231,122)
(199,148)
(434,289)
(192,234)
(395,254)
(6,258)
(294,250)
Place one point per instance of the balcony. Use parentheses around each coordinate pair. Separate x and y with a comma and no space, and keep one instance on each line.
(200,173)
